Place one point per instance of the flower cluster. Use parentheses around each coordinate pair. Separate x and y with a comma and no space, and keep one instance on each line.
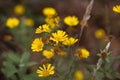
(53,41)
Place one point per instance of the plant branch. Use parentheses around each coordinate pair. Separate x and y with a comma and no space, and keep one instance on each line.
(86,17)
(99,63)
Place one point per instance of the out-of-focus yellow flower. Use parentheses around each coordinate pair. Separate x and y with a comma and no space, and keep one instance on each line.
(46,70)
(59,36)
(29,22)
(62,54)
(49,11)
(70,41)
(7,38)
(48,53)
(53,21)
(19,9)
(78,75)
(43,28)
(83,53)
(71,20)
(37,45)
(100,33)
(12,22)
(116,8)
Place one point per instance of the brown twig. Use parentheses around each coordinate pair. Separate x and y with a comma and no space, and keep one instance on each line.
(86,17)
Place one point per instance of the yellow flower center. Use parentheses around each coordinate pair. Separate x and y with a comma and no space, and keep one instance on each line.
(39,46)
(46,73)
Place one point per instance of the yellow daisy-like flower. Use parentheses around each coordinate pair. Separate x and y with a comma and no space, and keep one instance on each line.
(19,9)
(71,20)
(43,28)
(46,70)
(59,36)
(37,45)
(116,8)
(49,11)
(100,33)
(78,75)
(83,53)
(53,21)
(48,53)
(12,22)
(70,41)
(29,22)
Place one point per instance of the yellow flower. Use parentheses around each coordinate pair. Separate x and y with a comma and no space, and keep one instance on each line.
(78,75)
(71,20)
(49,11)
(116,8)
(19,9)
(59,36)
(70,41)
(29,22)
(43,28)
(53,21)
(48,53)
(12,22)
(37,45)
(46,70)
(82,53)
(62,54)
(100,33)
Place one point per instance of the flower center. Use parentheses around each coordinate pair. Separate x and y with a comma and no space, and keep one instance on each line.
(46,73)
(39,46)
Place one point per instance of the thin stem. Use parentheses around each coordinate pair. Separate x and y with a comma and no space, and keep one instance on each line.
(70,69)
(86,17)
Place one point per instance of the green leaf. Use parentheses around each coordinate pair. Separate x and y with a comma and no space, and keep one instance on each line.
(9,69)
(107,60)
(32,76)
(109,75)
(99,76)
(13,77)
(31,64)
(90,67)
(13,57)
(25,58)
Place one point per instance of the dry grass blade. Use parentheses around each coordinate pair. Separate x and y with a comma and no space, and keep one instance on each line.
(86,17)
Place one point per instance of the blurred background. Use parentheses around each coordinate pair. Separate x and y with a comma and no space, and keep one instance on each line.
(19,39)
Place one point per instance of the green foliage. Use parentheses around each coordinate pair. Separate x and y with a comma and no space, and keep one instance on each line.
(106,70)
(16,67)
